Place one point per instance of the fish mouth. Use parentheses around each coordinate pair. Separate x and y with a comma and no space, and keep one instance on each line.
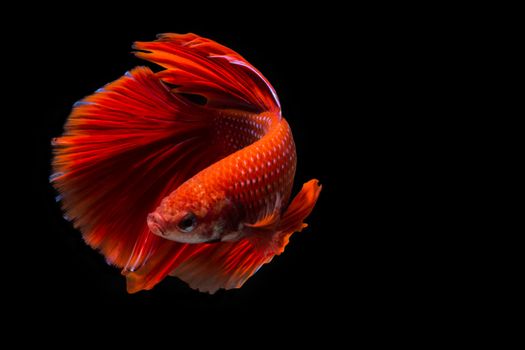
(157,224)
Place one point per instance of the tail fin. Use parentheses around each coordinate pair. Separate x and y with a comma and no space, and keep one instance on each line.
(201,66)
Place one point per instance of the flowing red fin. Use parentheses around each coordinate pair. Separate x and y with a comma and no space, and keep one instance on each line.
(123,150)
(223,265)
(292,220)
(206,267)
(167,256)
(201,66)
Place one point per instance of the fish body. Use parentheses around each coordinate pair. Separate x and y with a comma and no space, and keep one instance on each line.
(163,185)
(240,189)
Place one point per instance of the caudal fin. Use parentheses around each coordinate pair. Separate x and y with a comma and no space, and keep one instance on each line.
(197,65)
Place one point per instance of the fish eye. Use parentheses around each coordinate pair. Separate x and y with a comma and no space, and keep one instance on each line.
(188,223)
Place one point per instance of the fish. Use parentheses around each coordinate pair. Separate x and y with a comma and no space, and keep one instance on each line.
(186,171)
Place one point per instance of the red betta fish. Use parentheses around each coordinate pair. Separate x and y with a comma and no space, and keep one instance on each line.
(185,172)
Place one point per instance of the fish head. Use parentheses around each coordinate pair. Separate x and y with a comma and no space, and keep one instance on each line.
(200,217)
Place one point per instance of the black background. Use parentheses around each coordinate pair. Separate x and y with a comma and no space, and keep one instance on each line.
(337,73)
